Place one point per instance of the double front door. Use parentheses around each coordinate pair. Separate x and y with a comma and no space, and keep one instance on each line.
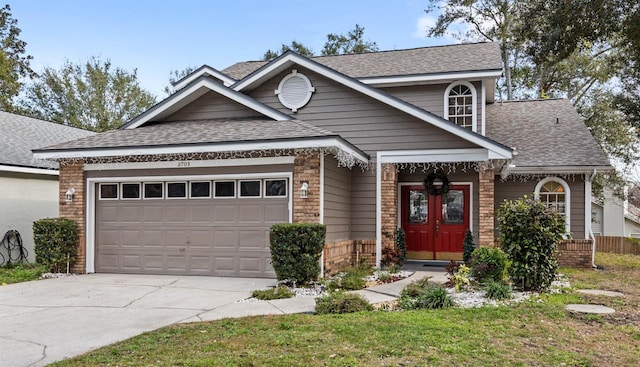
(435,225)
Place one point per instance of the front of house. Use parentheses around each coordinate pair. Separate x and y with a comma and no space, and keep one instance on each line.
(362,143)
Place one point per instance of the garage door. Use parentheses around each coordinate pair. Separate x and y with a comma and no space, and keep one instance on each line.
(198,227)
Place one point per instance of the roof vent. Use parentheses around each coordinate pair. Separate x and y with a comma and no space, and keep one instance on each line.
(294,91)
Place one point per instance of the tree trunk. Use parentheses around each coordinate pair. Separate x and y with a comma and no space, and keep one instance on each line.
(507,72)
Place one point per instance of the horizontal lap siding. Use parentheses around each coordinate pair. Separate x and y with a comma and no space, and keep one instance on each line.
(212,106)
(512,190)
(370,125)
(337,200)
(363,204)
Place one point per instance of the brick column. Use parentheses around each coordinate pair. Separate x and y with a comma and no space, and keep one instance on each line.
(486,207)
(72,176)
(306,167)
(389,200)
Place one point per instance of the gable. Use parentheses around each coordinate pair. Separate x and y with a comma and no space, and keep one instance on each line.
(364,121)
(212,106)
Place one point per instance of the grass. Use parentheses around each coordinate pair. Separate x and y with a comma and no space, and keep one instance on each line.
(20,273)
(533,333)
(280,292)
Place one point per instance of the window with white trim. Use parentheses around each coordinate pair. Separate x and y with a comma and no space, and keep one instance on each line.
(460,105)
(555,194)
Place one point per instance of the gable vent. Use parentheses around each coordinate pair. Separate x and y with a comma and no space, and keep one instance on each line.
(294,91)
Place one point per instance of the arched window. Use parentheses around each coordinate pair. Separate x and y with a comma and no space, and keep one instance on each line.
(460,104)
(555,193)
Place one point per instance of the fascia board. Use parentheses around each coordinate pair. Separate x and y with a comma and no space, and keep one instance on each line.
(203,148)
(204,70)
(559,169)
(427,78)
(436,155)
(291,58)
(31,170)
(198,88)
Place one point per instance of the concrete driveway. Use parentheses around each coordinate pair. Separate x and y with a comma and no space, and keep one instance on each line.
(48,320)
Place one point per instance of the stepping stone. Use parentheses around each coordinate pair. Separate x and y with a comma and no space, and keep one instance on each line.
(597,292)
(590,309)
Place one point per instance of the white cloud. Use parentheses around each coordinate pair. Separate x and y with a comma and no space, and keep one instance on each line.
(424,22)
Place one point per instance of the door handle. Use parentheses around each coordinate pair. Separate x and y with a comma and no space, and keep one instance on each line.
(437,226)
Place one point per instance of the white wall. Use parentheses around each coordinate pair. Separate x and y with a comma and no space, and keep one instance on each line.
(25,198)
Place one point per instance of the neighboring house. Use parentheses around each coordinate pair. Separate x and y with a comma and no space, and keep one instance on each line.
(612,217)
(192,185)
(28,187)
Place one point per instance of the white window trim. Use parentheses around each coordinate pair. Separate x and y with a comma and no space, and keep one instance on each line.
(109,183)
(201,197)
(567,197)
(474,102)
(186,190)
(121,193)
(239,192)
(235,190)
(264,188)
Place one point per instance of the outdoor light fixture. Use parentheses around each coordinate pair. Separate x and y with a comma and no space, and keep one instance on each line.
(304,190)
(68,196)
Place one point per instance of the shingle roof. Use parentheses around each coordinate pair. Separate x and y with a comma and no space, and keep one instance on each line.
(425,60)
(544,133)
(197,132)
(21,134)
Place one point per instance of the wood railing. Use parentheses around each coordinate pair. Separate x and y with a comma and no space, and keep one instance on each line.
(617,245)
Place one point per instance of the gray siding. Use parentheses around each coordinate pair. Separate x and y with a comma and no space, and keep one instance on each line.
(212,106)
(363,204)
(365,122)
(510,190)
(457,177)
(337,200)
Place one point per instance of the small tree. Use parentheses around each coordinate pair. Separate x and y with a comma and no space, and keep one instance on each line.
(529,235)
(468,246)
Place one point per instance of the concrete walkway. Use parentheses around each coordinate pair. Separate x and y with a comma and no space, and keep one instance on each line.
(49,320)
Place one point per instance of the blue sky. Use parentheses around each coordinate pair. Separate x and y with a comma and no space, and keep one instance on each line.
(157,36)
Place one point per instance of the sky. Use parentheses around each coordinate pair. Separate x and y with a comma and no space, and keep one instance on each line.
(158,36)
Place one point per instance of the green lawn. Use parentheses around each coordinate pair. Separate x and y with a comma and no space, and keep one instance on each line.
(19,273)
(534,333)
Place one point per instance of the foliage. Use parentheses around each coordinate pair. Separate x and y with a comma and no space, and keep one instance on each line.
(278,292)
(342,302)
(452,267)
(352,278)
(175,76)
(460,279)
(336,44)
(488,264)
(14,64)
(55,243)
(431,299)
(390,257)
(529,235)
(296,250)
(401,245)
(497,290)
(92,95)
(415,288)
(468,246)
(20,273)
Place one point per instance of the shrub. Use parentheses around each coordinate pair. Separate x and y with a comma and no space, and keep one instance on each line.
(432,298)
(401,245)
(497,290)
(352,278)
(415,288)
(278,292)
(397,255)
(296,250)
(488,264)
(341,302)
(55,243)
(468,246)
(529,235)
(460,279)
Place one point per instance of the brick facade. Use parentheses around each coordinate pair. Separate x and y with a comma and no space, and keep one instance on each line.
(575,253)
(486,236)
(72,176)
(306,167)
(389,200)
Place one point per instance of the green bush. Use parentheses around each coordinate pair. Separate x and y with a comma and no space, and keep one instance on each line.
(468,246)
(488,264)
(529,235)
(296,250)
(341,302)
(432,298)
(415,288)
(460,279)
(352,278)
(497,290)
(278,292)
(55,243)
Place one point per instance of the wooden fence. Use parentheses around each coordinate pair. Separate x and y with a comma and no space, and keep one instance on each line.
(617,245)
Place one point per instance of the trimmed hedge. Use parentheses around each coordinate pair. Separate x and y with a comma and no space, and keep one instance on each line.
(296,250)
(55,239)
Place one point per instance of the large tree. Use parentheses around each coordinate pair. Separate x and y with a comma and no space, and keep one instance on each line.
(336,44)
(175,75)
(92,95)
(14,63)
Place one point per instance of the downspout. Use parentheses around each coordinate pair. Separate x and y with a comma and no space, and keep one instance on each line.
(593,237)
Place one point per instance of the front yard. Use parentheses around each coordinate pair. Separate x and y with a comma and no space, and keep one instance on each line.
(536,332)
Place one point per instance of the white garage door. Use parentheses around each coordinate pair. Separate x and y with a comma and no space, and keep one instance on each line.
(199,227)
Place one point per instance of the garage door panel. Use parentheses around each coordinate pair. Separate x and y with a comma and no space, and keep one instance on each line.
(210,236)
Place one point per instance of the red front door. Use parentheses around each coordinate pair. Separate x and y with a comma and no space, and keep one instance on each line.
(435,225)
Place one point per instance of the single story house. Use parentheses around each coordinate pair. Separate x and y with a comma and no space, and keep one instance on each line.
(364,143)
(29,187)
